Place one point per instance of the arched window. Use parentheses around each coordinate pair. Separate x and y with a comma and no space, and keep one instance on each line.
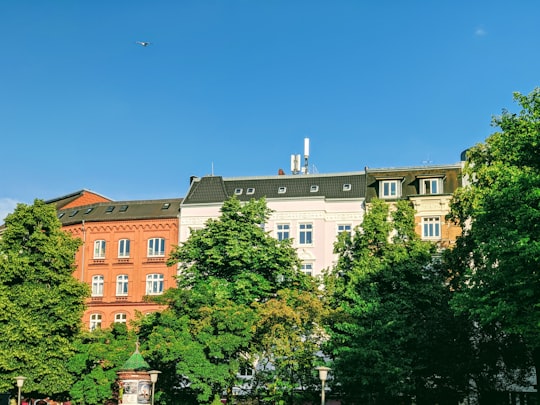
(120,318)
(95,321)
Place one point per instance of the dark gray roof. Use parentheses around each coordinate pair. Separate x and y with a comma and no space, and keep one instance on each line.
(410,176)
(216,189)
(121,211)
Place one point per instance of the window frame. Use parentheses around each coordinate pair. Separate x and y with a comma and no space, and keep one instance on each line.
(155,283)
(151,251)
(98,285)
(96,320)
(431,227)
(281,230)
(305,233)
(100,246)
(387,194)
(120,317)
(124,248)
(307,268)
(122,285)
(431,180)
(344,227)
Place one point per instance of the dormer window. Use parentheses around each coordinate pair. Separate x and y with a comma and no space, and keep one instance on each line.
(314,189)
(347,187)
(123,208)
(109,209)
(250,191)
(165,206)
(88,210)
(390,188)
(73,213)
(282,190)
(431,186)
(238,191)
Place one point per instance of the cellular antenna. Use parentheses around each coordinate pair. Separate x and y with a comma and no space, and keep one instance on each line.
(305,170)
(296,165)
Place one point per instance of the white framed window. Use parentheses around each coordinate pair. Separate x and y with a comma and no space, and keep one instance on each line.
(305,234)
(99,249)
(307,268)
(390,189)
(283,231)
(250,191)
(347,187)
(238,191)
(282,190)
(122,285)
(123,248)
(120,318)
(154,284)
(95,321)
(431,227)
(344,228)
(156,247)
(97,286)
(246,372)
(314,189)
(431,186)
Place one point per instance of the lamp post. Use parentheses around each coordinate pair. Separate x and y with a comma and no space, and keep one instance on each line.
(323,375)
(20,382)
(153,379)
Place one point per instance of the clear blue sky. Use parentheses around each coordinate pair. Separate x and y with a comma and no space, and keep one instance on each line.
(235,86)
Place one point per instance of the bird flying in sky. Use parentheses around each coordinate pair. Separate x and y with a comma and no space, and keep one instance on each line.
(142,43)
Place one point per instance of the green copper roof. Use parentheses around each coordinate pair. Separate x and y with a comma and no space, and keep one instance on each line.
(136,361)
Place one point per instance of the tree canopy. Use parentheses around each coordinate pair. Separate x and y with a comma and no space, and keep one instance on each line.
(98,356)
(234,309)
(393,335)
(496,261)
(41,303)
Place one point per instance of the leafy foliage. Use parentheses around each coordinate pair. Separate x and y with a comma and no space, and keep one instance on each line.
(236,306)
(99,355)
(393,335)
(41,304)
(495,262)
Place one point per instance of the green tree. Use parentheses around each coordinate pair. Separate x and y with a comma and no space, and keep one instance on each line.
(99,354)
(496,260)
(41,304)
(233,276)
(393,335)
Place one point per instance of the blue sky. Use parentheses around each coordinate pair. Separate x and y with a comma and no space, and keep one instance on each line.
(234,86)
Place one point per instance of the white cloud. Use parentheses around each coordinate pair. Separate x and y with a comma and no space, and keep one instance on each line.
(7,206)
(480,32)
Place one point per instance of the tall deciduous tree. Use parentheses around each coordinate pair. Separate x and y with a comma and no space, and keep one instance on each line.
(497,259)
(41,304)
(236,285)
(393,336)
(99,355)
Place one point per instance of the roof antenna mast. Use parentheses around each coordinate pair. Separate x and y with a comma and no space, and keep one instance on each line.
(306,156)
(295,160)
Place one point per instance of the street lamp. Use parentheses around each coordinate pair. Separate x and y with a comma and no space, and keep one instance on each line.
(20,382)
(323,374)
(153,379)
